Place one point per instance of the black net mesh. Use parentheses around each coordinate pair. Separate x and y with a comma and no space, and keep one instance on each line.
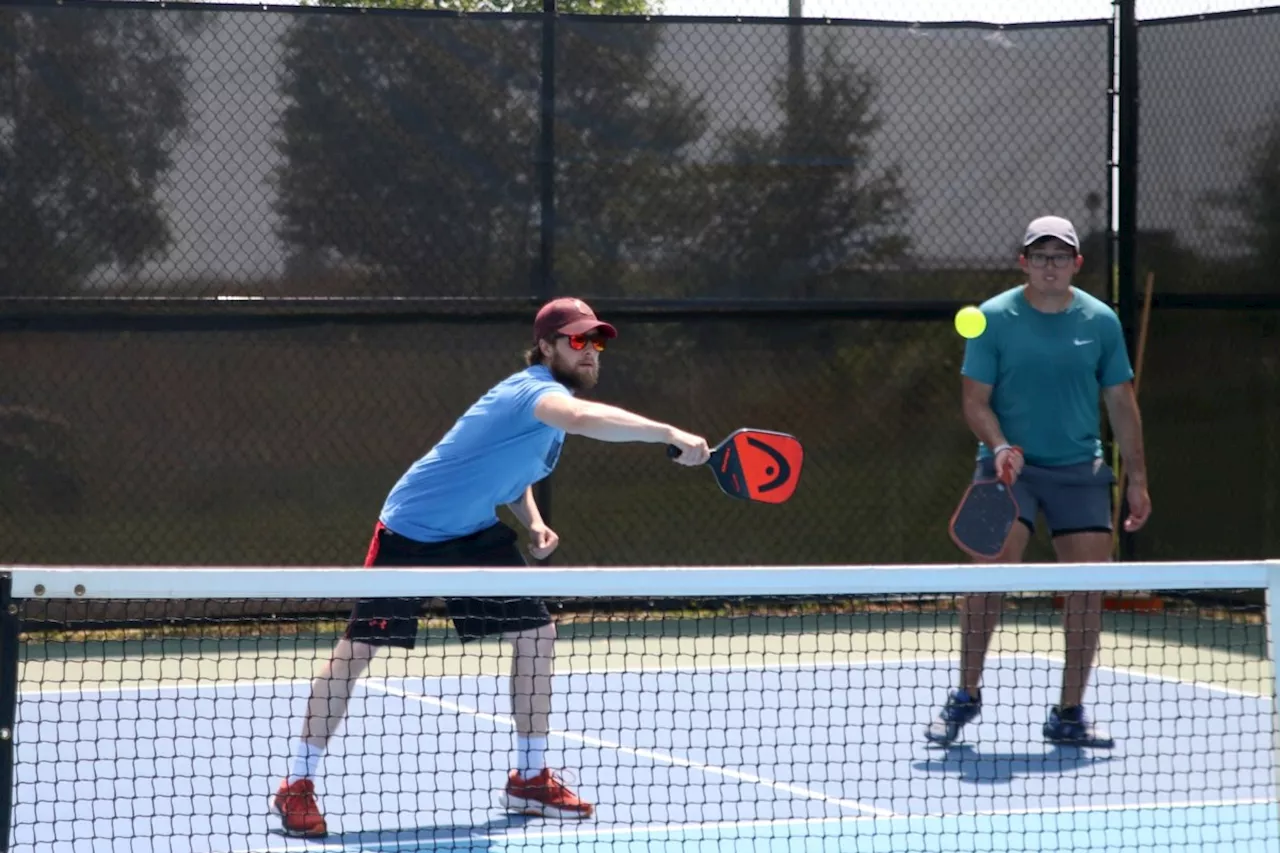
(704,723)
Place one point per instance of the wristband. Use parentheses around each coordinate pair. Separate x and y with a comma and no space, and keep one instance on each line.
(995,451)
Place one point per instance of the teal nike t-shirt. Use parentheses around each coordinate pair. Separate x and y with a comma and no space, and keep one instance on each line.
(493,453)
(1047,372)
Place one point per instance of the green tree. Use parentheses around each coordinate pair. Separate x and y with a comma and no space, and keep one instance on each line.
(625,186)
(411,144)
(791,207)
(1257,202)
(92,102)
(409,149)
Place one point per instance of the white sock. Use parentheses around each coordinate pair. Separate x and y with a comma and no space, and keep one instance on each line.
(306,759)
(532,752)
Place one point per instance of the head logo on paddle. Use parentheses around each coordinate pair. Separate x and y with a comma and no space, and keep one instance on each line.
(756,465)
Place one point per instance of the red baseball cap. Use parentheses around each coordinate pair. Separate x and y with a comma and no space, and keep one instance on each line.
(569,316)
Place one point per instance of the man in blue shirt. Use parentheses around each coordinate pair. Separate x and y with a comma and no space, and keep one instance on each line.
(1031,383)
(443,512)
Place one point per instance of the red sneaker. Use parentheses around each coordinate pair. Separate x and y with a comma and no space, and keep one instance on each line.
(299,814)
(543,795)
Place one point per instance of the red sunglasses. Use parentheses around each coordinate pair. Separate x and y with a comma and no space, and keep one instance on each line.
(579,342)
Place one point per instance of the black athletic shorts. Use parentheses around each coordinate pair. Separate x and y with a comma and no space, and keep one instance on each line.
(394,621)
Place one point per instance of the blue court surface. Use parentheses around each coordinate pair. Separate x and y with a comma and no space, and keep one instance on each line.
(817,757)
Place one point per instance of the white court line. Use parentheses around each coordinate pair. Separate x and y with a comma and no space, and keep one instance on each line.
(99,689)
(780,666)
(878,814)
(675,828)
(651,755)
(1168,679)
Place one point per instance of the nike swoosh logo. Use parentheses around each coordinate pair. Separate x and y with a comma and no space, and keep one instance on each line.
(1081,343)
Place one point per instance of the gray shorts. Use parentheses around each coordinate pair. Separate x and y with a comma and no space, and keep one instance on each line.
(1073,498)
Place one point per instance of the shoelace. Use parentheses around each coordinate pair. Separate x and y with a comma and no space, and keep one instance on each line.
(303,798)
(562,778)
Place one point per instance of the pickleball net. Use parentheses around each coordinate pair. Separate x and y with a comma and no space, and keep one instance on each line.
(697,709)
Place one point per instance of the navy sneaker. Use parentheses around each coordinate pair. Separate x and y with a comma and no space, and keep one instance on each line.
(960,709)
(1069,726)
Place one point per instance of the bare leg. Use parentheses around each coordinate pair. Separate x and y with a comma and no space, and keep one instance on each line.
(1082,614)
(532,788)
(531,671)
(980,616)
(295,802)
(331,690)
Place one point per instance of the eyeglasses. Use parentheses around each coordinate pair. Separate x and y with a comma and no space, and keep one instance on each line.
(579,342)
(1039,260)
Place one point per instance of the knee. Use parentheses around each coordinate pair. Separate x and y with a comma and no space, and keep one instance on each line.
(353,650)
(351,656)
(543,638)
(536,642)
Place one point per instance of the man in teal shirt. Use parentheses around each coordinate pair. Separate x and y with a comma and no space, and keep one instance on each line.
(1031,383)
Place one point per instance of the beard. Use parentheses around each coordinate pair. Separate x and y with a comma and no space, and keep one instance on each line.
(573,378)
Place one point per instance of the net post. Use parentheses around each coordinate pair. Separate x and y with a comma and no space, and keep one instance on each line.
(1273,647)
(9,625)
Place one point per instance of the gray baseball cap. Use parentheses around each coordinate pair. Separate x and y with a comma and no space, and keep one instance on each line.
(1051,226)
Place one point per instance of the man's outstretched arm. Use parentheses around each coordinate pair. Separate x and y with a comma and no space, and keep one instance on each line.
(610,423)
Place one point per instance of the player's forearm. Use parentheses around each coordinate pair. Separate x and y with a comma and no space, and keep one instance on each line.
(525,509)
(1126,423)
(984,424)
(609,423)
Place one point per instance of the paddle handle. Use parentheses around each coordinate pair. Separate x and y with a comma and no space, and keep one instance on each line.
(673,452)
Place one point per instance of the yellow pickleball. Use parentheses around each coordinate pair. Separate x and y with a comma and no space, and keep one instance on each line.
(970,322)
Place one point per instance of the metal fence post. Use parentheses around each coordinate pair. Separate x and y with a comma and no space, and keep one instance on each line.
(1127,185)
(545,283)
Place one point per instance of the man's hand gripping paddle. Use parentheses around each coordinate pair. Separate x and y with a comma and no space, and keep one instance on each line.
(755,465)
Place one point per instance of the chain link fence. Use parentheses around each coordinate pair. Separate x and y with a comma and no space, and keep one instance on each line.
(1208,236)
(258,260)
(278,446)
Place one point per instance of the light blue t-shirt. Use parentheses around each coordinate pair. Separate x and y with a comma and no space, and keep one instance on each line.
(495,451)
(1048,371)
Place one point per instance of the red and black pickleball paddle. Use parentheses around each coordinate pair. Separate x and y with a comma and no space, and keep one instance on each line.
(756,465)
(984,518)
